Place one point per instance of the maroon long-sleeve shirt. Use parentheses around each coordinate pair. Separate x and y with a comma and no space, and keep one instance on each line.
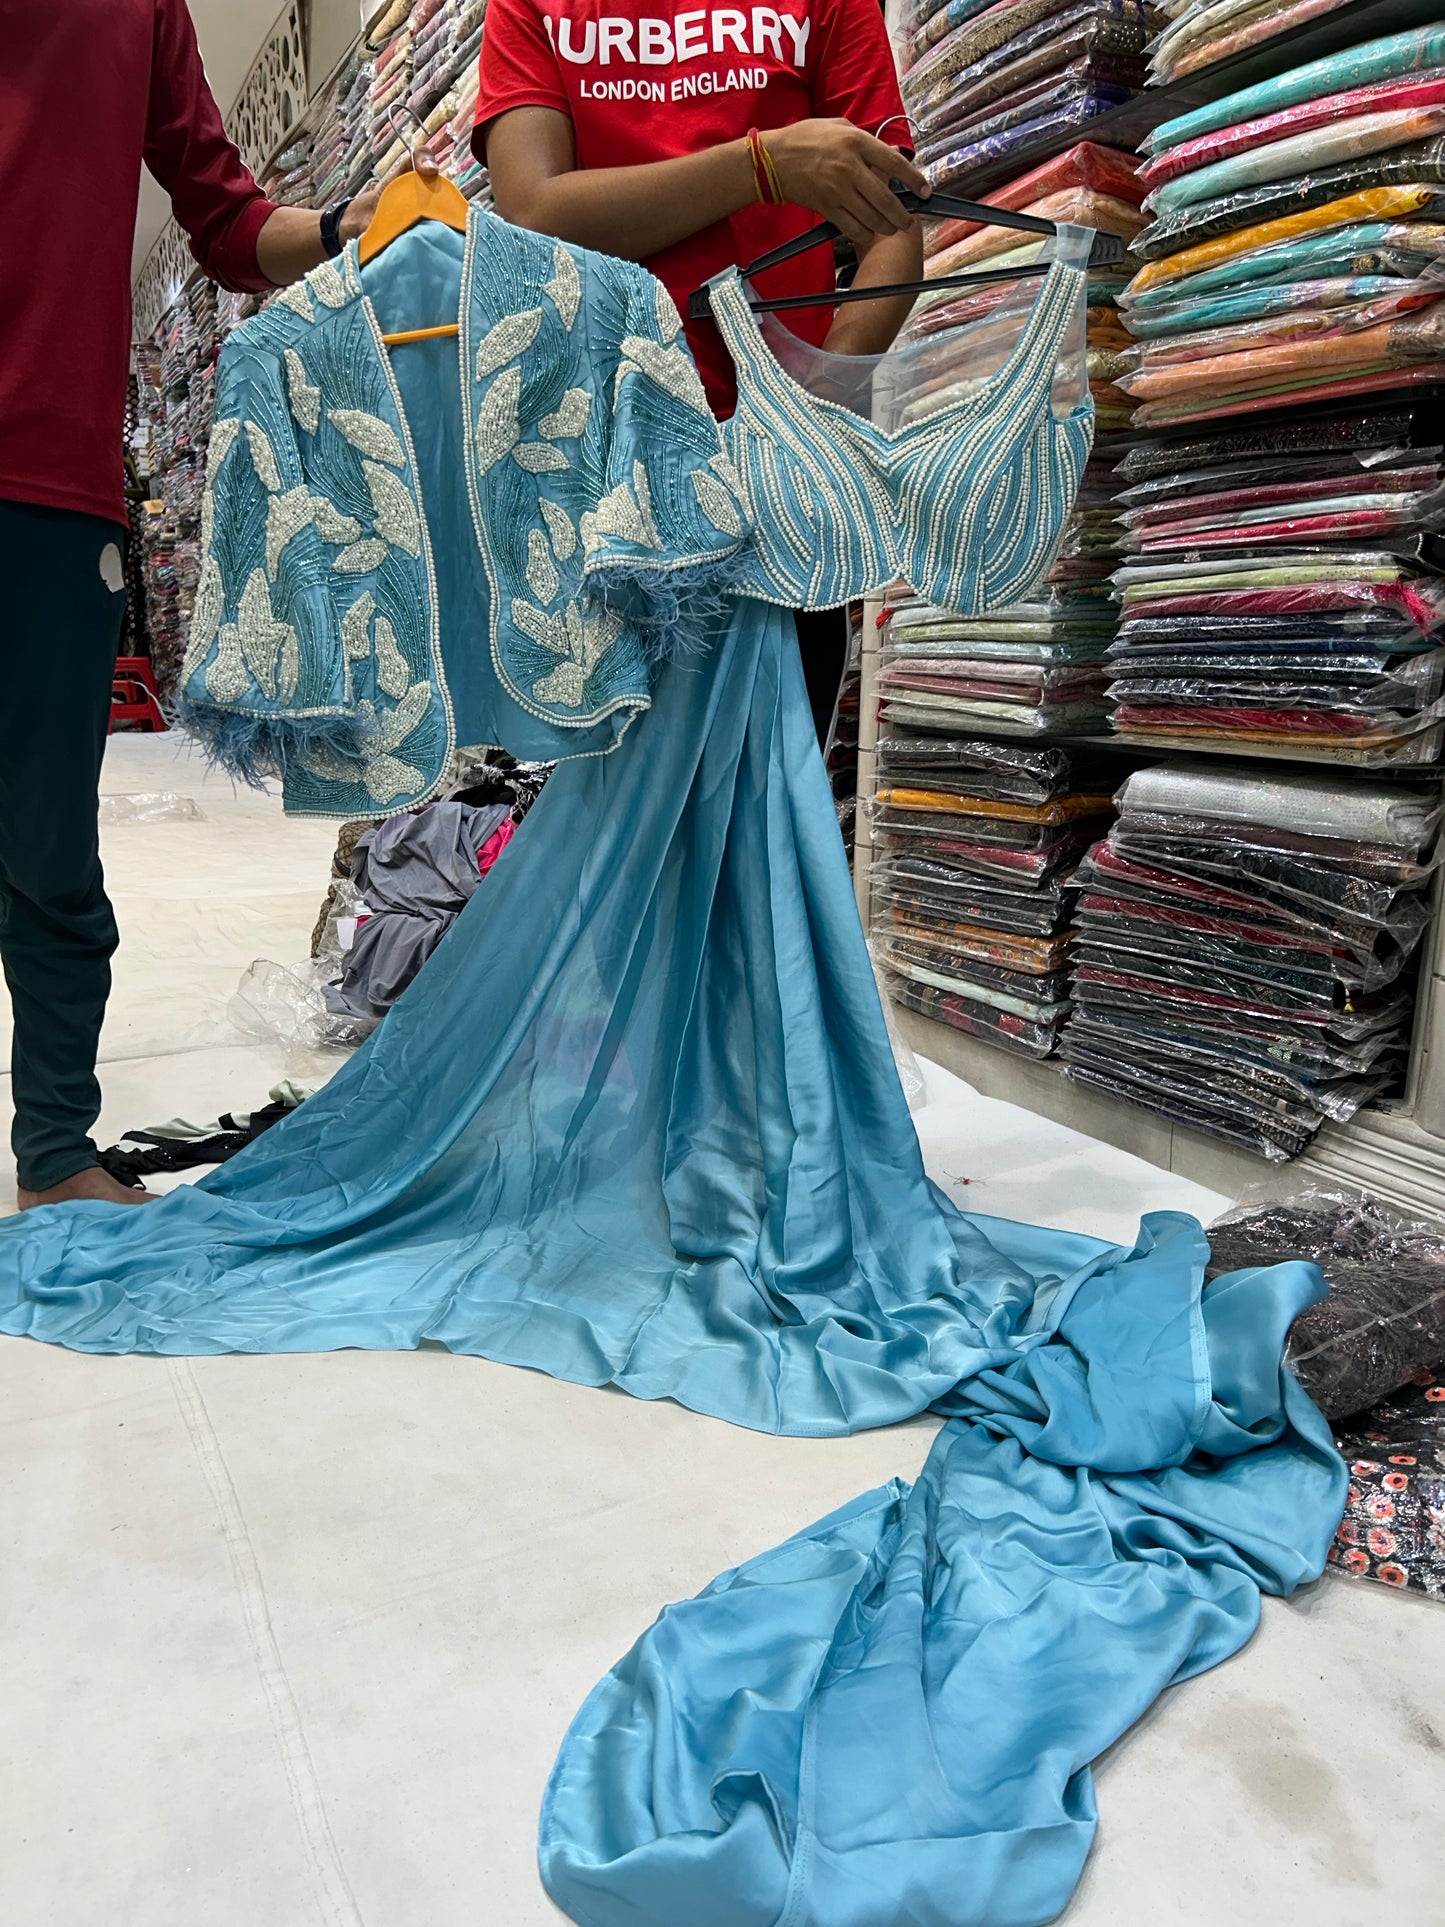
(89,89)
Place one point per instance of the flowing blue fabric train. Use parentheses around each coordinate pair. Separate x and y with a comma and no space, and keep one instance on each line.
(670,1152)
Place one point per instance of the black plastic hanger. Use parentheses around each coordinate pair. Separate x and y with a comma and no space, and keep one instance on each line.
(1107,251)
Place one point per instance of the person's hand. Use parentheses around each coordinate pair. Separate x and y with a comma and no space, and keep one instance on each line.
(357,218)
(840,172)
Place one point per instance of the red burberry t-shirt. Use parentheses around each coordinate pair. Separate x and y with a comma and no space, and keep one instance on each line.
(650,80)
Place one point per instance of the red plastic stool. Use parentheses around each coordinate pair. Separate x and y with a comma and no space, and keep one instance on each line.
(134,697)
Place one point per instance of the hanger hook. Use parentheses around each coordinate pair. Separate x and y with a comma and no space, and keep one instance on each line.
(411,146)
(912,130)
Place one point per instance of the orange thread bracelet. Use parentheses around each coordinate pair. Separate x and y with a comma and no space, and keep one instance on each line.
(766,185)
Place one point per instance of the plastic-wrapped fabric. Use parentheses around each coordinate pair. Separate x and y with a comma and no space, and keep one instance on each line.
(1208,150)
(1085,164)
(1263,501)
(1300,391)
(1351,428)
(975,1020)
(1185,486)
(1054,93)
(1039,1000)
(1084,206)
(1404,248)
(1228,28)
(924,34)
(1384,1320)
(1178,258)
(1297,324)
(1421,166)
(1060,809)
(979,943)
(1020,139)
(989,32)
(1392,818)
(1087,30)
(1422,605)
(1213,313)
(1025,775)
(920,884)
(1372,61)
(1301,155)
(934,712)
(1244,683)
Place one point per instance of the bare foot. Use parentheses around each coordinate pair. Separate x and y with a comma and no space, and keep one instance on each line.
(95,1184)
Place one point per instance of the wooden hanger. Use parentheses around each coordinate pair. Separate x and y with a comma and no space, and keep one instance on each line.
(405,202)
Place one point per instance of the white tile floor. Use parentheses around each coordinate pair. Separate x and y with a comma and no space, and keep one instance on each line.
(293,1640)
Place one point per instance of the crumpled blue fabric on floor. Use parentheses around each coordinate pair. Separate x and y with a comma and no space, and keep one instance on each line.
(638,1123)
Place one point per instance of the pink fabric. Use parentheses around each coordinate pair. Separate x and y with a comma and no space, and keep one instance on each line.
(494,845)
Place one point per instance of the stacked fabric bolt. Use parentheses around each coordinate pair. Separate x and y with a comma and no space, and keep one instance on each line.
(341,146)
(1034,669)
(1244,948)
(175,395)
(432,50)
(1295,249)
(1297,265)
(1202,32)
(1275,602)
(985,82)
(391,41)
(973,845)
(288,179)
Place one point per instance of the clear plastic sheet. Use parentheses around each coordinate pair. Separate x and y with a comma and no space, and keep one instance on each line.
(1384,1319)
(885,388)
(149,806)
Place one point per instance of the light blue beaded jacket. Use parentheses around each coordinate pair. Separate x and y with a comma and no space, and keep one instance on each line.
(602,510)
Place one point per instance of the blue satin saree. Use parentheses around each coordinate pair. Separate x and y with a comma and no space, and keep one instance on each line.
(638,1124)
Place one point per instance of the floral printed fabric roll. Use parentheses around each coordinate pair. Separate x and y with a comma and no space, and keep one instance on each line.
(1393,1530)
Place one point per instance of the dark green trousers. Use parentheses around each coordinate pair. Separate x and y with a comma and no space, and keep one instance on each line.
(59,630)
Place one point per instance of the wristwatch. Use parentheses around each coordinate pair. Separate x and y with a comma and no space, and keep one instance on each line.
(331,227)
